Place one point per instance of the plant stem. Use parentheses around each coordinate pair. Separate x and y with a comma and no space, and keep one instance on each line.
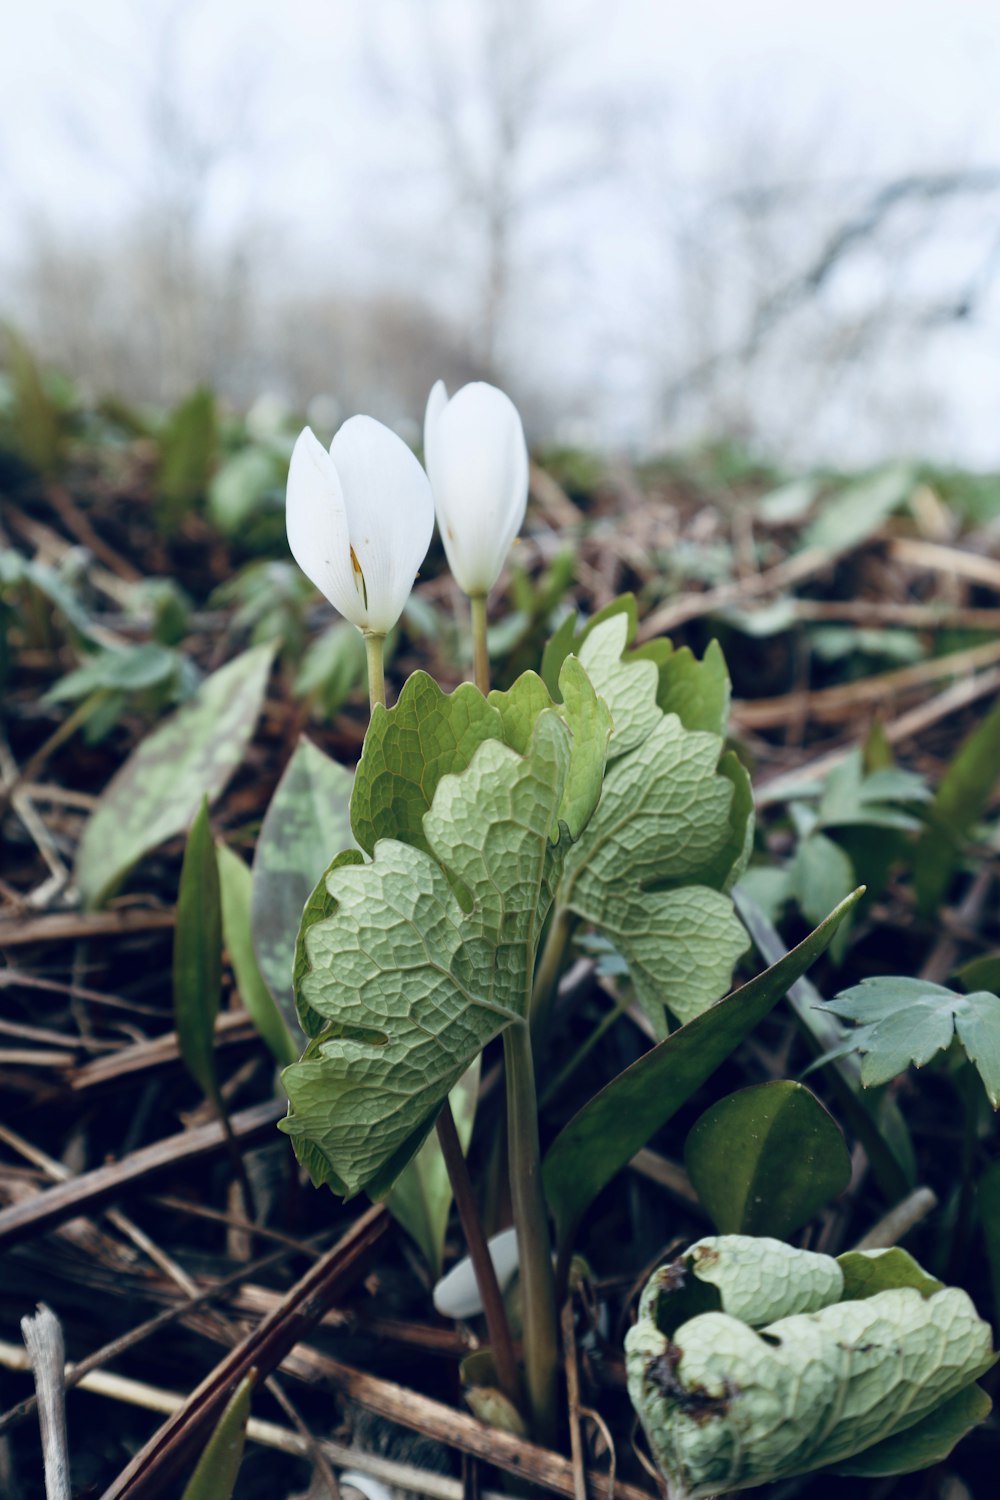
(375,651)
(543,993)
(541,1351)
(498,1329)
(480,650)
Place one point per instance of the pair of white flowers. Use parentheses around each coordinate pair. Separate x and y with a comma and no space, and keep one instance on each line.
(360,517)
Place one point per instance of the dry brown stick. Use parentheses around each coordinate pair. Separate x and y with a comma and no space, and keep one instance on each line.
(775,580)
(456,1428)
(231,1026)
(572,1372)
(91,1190)
(155,1467)
(953,560)
(892,612)
(897,731)
(178,1311)
(79,527)
(57,927)
(830,704)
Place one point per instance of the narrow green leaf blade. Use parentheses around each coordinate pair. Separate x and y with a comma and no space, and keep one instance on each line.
(604,1135)
(156,793)
(420,1198)
(766,1159)
(215,1476)
(306,824)
(197,965)
(958,802)
(235,884)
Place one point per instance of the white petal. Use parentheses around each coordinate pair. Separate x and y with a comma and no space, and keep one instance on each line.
(316,522)
(390,513)
(457,1295)
(436,403)
(478,466)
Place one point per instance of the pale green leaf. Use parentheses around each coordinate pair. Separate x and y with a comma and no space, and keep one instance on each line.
(416,979)
(235,887)
(306,824)
(902,1021)
(928,1442)
(727,1406)
(156,793)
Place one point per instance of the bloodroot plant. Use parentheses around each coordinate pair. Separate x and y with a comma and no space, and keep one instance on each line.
(489,829)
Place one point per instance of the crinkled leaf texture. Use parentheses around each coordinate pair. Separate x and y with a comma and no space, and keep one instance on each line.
(672,832)
(729,1400)
(903,1021)
(408,965)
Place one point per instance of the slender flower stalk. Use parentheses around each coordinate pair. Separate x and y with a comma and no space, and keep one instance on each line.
(538,1290)
(375,652)
(480,649)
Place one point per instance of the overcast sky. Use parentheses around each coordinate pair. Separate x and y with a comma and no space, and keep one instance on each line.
(318,107)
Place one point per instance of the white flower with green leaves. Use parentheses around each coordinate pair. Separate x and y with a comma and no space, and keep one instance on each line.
(360,519)
(477,460)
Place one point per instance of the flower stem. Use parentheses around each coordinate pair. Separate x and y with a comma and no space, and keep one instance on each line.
(480,651)
(541,1350)
(375,651)
(497,1327)
(543,993)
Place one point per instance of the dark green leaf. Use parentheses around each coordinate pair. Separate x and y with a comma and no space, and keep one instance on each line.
(187,453)
(988,1195)
(958,802)
(235,885)
(870,1271)
(766,1159)
(607,1132)
(929,1441)
(197,967)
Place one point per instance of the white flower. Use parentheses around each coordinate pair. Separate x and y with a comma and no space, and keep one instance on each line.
(359,520)
(477,460)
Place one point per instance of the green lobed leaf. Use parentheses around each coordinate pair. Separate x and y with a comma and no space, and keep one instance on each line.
(420,1198)
(215,1476)
(766,1159)
(416,979)
(408,748)
(307,821)
(904,1021)
(647,870)
(156,793)
(197,961)
(607,1132)
(235,883)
